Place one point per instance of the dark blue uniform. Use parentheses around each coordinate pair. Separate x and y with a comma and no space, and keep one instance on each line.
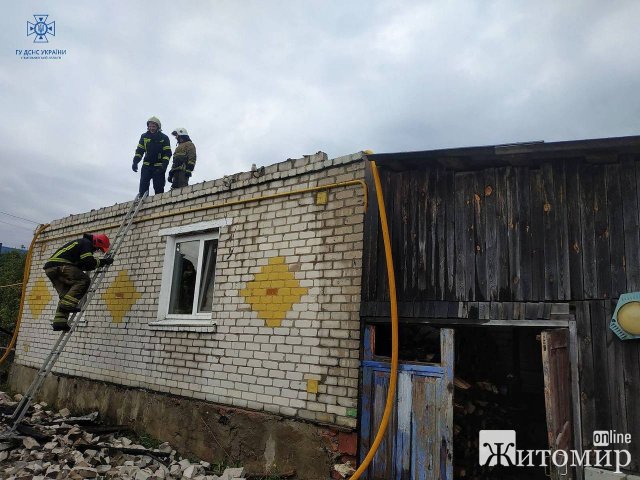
(156,149)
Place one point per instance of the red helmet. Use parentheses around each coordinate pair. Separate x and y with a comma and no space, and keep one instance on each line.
(101,241)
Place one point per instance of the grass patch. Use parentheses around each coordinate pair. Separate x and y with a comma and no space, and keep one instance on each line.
(147,441)
(219,467)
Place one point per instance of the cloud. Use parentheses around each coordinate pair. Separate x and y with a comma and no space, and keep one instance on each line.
(262,81)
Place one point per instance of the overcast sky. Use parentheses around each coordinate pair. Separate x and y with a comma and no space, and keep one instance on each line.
(263,81)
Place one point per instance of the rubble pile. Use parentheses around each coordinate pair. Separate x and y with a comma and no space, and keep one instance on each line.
(52,445)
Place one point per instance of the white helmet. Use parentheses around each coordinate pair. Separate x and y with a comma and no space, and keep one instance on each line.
(180,132)
(155,120)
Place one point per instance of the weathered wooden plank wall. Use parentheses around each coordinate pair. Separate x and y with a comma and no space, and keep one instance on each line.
(561,231)
(609,377)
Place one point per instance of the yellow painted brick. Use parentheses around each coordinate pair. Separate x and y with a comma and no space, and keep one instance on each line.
(292,283)
(276,260)
(278,269)
(312,386)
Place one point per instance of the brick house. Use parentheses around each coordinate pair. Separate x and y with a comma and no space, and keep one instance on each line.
(237,296)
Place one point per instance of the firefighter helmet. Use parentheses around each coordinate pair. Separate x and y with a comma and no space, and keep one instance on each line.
(101,242)
(155,120)
(180,132)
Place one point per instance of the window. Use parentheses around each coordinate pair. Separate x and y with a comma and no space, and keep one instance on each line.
(187,291)
(194,265)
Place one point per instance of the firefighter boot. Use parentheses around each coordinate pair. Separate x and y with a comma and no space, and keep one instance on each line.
(60,323)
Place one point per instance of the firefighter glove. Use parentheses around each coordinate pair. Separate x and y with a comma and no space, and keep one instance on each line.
(134,166)
(106,261)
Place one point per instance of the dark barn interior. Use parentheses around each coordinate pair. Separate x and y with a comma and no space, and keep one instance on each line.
(499,386)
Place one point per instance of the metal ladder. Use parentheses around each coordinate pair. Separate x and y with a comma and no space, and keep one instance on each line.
(75,318)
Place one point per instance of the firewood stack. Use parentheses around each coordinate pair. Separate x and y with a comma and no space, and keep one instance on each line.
(481,405)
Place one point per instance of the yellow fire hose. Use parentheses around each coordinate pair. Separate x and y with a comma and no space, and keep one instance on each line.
(394,329)
(25,280)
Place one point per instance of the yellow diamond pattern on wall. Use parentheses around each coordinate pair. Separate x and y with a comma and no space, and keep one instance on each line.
(273,292)
(39,297)
(120,296)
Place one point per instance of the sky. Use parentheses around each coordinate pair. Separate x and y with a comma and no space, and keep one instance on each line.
(263,81)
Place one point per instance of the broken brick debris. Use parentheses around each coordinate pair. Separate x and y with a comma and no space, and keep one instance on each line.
(56,446)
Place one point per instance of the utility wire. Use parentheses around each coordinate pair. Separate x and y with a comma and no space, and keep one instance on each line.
(17,226)
(21,218)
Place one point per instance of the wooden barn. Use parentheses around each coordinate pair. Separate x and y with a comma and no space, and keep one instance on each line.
(509,261)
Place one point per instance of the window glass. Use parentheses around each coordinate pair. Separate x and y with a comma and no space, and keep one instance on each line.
(208,268)
(183,282)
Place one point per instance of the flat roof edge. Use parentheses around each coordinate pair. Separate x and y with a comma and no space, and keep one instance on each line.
(533,147)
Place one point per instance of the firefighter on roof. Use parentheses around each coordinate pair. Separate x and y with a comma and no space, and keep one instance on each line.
(156,149)
(66,269)
(184,159)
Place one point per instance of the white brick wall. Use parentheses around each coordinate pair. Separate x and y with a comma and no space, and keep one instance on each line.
(244,362)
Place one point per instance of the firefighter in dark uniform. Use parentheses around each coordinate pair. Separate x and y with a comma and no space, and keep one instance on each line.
(66,269)
(156,149)
(184,159)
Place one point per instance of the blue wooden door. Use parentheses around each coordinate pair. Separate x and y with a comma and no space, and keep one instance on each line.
(418,442)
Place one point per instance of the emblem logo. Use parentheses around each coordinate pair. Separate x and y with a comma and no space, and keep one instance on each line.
(41,29)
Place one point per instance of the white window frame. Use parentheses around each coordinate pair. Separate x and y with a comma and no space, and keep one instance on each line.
(198,231)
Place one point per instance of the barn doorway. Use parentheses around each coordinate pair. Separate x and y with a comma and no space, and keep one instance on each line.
(500,373)
(499,385)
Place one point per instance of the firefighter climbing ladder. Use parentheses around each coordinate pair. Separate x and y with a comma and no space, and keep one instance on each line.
(75,318)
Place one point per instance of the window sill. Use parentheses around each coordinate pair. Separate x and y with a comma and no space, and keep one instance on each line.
(193,326)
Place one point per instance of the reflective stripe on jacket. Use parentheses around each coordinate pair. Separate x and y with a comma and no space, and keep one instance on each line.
(77,252)
(156,149)
(184,158)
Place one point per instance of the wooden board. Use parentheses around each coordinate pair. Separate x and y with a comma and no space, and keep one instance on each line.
(601,230)
(502,227)
(615,232)
(537,236)
(557,392)
(479,237)
(574,231)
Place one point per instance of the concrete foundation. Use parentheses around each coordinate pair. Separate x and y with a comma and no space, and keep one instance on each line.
(260,442)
